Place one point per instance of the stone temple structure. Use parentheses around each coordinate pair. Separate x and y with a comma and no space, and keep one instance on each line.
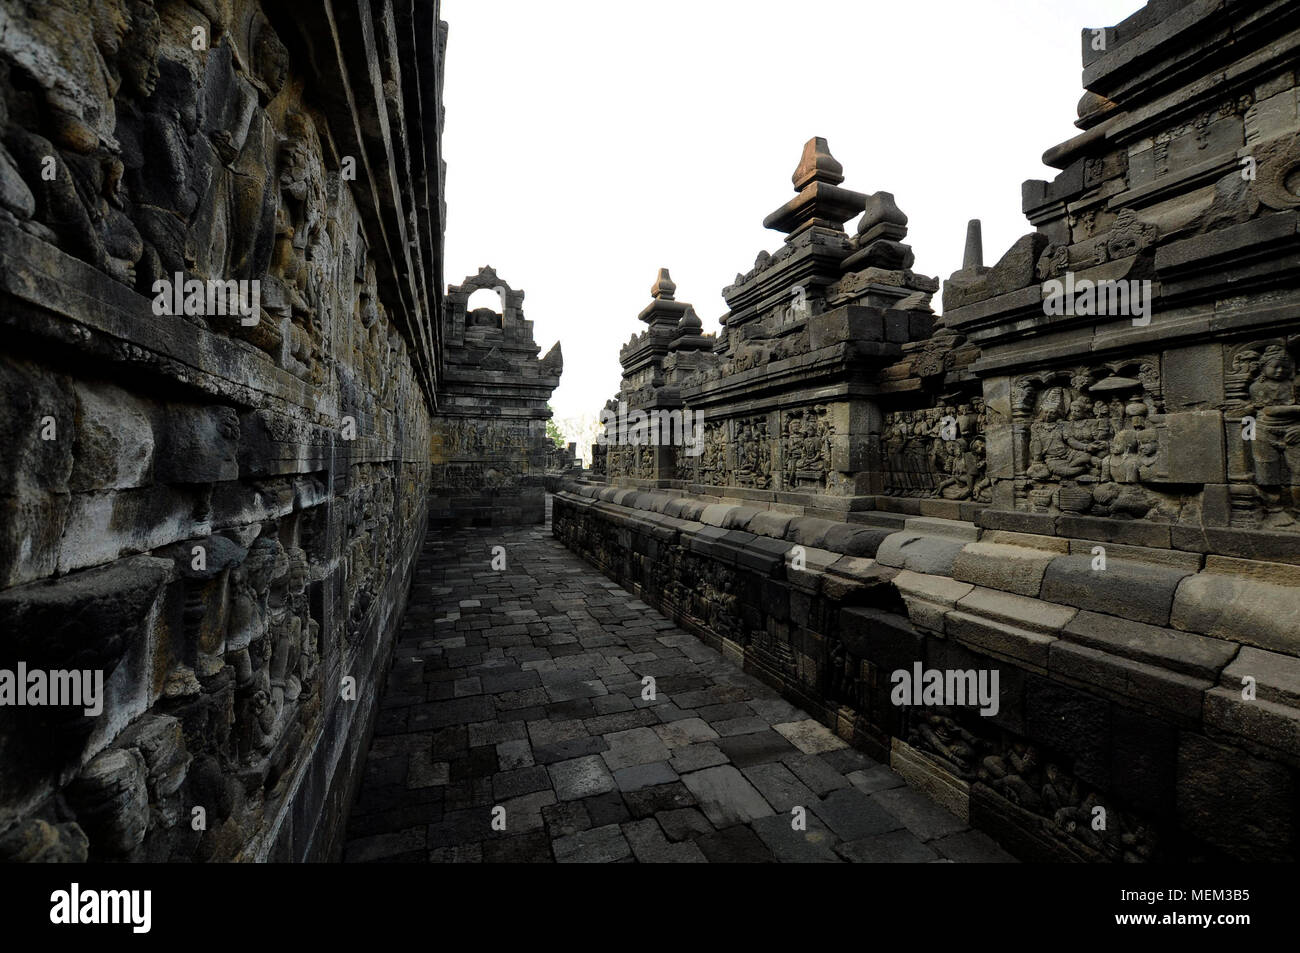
(233,389)
(1083,477)
(490,450)
(240,400)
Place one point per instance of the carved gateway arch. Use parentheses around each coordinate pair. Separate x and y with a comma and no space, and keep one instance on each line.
(489,446)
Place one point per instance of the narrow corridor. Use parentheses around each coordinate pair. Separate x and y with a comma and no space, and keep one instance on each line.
(527,688)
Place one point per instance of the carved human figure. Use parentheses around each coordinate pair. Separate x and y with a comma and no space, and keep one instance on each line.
(1050,453)
(1272,396)
(1080,434)
(1276,448)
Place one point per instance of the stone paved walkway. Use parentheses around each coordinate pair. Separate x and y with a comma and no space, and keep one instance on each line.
(522,689)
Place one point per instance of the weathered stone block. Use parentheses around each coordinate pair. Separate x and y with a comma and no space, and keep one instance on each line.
(1239,609)
(928,598)
(995,566)
(114,440)
(924,554)
(1203,658)
(882,638)
(1140,683)
(1131,590)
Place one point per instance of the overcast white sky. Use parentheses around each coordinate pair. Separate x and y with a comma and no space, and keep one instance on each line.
(590,143)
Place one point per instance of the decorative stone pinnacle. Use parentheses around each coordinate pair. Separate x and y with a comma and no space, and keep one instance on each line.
(882,218)
(817,165)
(664,287)
(974,255)
(821,203)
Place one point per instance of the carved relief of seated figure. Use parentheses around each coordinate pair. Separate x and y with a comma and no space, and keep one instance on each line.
(1051,452)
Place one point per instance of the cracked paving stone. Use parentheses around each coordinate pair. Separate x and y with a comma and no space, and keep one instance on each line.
(567,817)
(725,796)
(779,786)
(740,726)
(716,713)
(660,797)
(644,775)
(684,732)
(522,781)
(633,747)
(685,823)
(567,750)
(754,748)
(809,846)
(695,757)
(620,721)
(651,846)
(735,845)
(810,736)
(871,780)
(569,691)
(514,754)
(919,814)
(580,778)
(819,776)
(600,845)
(853,815)
(896,847)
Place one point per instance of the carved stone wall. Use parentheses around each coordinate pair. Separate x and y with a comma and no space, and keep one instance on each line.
(1164,252)
(1085,472)
(218,509)
(490,451)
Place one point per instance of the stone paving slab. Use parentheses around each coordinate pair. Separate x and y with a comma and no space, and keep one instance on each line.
(514,728)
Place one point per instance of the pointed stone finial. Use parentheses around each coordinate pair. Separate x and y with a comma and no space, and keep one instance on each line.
(821,203)
(553,362)
(974,256)
(690,321)
(817,165)
(664,287)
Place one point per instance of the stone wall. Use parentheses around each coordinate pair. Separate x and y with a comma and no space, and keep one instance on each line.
(1082,476)
(490,450)
(219,511)
(1120,695)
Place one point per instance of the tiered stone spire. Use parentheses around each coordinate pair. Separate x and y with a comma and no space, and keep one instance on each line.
(664,312)
(821,202)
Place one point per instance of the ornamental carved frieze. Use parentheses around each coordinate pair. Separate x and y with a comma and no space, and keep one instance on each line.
(937,452)
(1086,441)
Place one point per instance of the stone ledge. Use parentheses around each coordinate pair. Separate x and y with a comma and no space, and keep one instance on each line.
(1015,569)
(1261,614)
(1129,680)
(1194,655)
(1135,591)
